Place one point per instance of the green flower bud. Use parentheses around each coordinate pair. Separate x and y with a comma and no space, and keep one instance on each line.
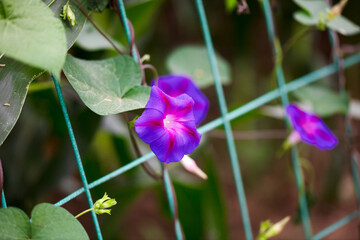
(101,205)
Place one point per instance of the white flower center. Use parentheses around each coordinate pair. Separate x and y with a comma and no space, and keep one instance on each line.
(169,122)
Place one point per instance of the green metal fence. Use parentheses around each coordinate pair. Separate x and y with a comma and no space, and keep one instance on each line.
(281,92)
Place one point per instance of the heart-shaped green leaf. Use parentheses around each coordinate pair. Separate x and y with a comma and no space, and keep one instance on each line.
(319,9)
(194,61)
(31,34)
(48,222)
(51,222)
(16,77)
(325,101)
(107,86)
(14,224)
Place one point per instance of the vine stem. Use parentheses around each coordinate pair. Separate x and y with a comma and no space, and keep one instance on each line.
(135,54)
(82,213)
(144,165)
(98,29)
(51,3)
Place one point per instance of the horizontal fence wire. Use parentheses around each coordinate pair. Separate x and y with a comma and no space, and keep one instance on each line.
(228,131)
(250,106)
(77,155)
(340,223)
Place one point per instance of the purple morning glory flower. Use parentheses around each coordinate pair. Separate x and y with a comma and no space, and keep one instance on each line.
(310,128)
(175,85)
(168,125)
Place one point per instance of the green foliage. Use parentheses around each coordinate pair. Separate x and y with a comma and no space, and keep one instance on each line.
(32,35)
(98,5)
(16,77)
(317,14)
(107,86)
(194,61)
(325,101)
(91,40)
(141,13)
(47,222)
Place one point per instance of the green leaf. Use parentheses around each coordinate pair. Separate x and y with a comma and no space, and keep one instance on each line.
(14,224)
(142,13)
(325,101)
(343,26)
(16,77)
(194,61)
(314,9)
(31,34)
(48,222)
(72,32)
(51,222)
(91,40)
(107,86)
(98,5)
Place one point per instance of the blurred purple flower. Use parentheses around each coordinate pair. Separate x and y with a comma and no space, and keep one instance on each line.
(175,85)
(168,125)
(310,128)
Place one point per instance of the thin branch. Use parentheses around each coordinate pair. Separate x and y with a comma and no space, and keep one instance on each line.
(350,49)
(96,27)
(153,69)
(145,165)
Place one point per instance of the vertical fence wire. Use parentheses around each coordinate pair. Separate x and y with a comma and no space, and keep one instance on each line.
(170,196)
(126,27)
(284,99)
(77,155)
(166,178)
(3,200)
(338,61)
(226,122)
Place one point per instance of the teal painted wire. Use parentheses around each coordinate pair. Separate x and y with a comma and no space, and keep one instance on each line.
(178,231)
(348,127)
(355,173)
(77,155)
(126,27)
(336,225)
(284,99)
(171,200)
(258,102)
(108,177)
(3,200)
(226,122)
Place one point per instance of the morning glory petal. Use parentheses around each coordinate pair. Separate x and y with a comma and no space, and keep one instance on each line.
(311,128)
(168,125)
(149,126)
(175,85)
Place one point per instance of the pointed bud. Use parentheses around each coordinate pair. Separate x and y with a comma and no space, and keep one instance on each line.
(190,165)
(336,10)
